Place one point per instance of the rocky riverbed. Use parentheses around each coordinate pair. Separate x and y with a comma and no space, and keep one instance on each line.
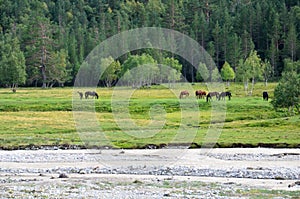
(156,173)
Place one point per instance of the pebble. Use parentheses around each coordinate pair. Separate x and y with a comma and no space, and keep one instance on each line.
(63,175)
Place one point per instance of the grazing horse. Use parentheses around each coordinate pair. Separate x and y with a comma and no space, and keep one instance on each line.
(80,94)
(265,96)
(211,94)
(224,94)
(229,95)
(184,93)
(200,94)
(91,93)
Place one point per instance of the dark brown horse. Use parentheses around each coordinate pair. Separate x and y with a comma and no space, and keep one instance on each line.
(265,96)
(224,94)
(200,94)
(91,93)
(184,93)
(211,94)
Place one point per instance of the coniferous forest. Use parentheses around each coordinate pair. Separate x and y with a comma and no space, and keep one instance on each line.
(44,42)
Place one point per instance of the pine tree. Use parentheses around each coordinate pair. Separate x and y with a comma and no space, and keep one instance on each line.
(39,44)
(291,42)
(217,41)
(155,9)
(234,53)
(274,35)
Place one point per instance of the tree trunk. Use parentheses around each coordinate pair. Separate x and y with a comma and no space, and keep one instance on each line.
(266,82)
(14,87)
(246,86)
(108,83)
(43,71)
(227,83)
(252,87)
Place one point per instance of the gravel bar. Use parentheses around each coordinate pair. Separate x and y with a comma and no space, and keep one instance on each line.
(157,173)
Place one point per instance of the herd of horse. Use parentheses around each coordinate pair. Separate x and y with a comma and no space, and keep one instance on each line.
(199,95)
(203,94)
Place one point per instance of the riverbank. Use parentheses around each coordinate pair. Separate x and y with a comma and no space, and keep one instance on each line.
(190,173)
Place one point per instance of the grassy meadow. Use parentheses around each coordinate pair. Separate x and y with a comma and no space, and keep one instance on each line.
(44,117)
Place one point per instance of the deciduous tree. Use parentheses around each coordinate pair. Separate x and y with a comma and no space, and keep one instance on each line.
(215,76)
(250,69)
(110,69)
(202,72)
(227,73)
(12,62)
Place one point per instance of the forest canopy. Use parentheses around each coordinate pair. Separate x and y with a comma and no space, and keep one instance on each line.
(44,42)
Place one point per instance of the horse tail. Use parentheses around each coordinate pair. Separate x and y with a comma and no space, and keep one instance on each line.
(96,94)
(207,96)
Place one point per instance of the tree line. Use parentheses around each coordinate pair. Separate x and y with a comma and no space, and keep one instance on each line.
(44,42)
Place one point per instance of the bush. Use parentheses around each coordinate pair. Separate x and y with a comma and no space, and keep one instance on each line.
(287,92)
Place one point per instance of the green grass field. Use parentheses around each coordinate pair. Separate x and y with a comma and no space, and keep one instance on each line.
(43,117)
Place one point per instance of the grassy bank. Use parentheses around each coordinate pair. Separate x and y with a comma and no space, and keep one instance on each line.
(36,117)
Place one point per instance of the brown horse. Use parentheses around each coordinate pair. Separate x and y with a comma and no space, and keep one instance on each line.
(211,94)
(200,94)
(184,93)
